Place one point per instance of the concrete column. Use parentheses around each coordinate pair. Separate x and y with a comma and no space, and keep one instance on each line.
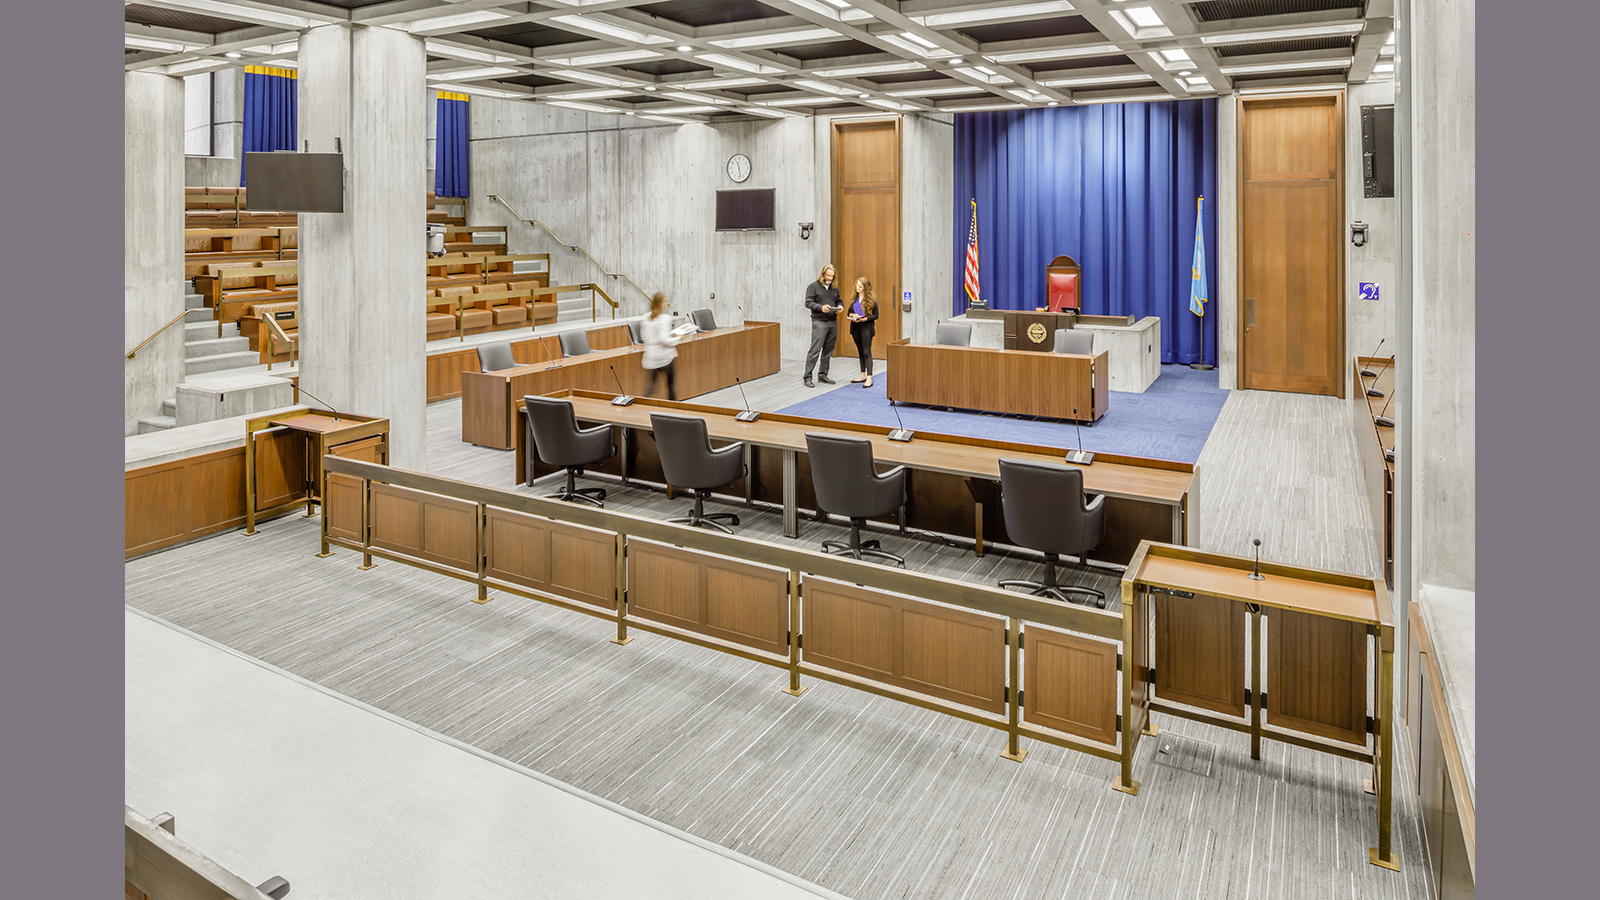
(152,240)
(361,272)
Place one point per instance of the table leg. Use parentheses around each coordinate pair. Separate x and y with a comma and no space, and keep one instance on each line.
(791,493)
(626,448)
(749,475)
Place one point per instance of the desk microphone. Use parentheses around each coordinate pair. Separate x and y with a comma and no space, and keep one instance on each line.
(1256,575)
(1079,456)
(546,349)
(1381,419)
(1366,372)
(314,397)
(1373,391)
(899,434)
(622,398)
(749,415)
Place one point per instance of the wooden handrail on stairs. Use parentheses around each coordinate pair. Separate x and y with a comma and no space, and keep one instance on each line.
(609,274)
(157,334)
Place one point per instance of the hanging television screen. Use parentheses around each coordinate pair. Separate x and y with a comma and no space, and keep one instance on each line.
(745,210)
(286,181)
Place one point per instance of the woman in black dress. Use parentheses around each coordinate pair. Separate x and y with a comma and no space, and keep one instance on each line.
(863,314)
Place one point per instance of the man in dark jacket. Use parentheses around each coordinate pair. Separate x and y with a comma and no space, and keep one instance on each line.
(822,298)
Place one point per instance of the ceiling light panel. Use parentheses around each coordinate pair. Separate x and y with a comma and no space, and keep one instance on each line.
(1283,33)
(798,101)
(582,107)
(953,89)
(472,74)
(993,15)
(713,84)
(772,40)
(717,59)
(141,43)
(687,110)
(446,23)
(1058,53)
(591,77)
(440,48)
(1295,66)
(825,88)
(1097,79)
(880,69)
(605,59)
(1143,16)
(1136,98)
(585,23)
(250,13)
(598,94)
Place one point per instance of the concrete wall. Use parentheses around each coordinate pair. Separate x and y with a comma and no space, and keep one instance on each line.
(641,198)
(221,168)
(1367,321)
(1443,294)
(152,240)
(1227,305)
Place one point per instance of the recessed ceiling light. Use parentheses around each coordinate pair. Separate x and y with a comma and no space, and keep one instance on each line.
(684,48)
(956,62)
(1144,17)
(1054,103)
(649,87)
(864,96)
(231,54)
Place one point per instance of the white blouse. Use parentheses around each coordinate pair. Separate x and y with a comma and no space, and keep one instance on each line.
(660,347)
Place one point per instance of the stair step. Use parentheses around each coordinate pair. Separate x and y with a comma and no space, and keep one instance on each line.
(156,423)
(198,364)
(193,301)
(170,407)
(205,331)
(202,315)
(211,345)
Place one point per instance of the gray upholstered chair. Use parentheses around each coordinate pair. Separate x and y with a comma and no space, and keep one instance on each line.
(848,484)
(703,320)
(574,343)
(954,334)
(1071,340)
(1045,509)
(554,434)
(496,356)
(636,332)
(688,462)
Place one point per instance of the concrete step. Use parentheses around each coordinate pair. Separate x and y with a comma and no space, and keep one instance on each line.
(170,407)
(217,363)
(156,423)
(193,301)
(202,315)
(213,346)
(205,331)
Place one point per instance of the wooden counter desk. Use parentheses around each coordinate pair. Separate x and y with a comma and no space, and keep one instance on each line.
(706,362)
(954,485)
(1055,385)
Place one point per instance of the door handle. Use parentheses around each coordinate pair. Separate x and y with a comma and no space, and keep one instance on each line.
(1249,312)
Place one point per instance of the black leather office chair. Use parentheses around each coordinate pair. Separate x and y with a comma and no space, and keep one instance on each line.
(574,343)
(1045,510)
(703,320)
(687,461)
(496,356)
(636,332)
(849,485)
(1071,340)
(954,334)
(554,434)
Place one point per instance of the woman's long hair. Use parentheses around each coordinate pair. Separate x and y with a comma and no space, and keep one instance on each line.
(869,300)
(658,303)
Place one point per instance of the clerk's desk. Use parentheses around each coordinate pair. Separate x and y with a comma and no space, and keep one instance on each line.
(1056,385)
(706,362)
(954,483)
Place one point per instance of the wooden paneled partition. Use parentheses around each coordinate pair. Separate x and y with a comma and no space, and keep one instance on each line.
(1291,248)
(717,596)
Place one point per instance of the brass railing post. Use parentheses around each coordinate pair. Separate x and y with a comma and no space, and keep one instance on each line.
(366,524)
(483,553)
(622,592)
(1130,672)
(1014,700)
(1255,681)
(794,687)
(1383,759)
(327,551)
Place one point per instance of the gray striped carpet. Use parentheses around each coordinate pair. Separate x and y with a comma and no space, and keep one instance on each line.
(860,794)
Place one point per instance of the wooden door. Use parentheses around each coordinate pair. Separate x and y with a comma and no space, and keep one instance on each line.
(866,222)
(1291,315)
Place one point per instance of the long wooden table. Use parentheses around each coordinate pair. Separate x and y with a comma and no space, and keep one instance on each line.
(1055,385)
(954,484)
(706,362)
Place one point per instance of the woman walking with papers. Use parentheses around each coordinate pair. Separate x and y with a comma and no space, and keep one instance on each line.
(660,346)
(863,315)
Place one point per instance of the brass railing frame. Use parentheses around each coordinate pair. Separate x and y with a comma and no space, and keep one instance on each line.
(278,334)
(1014,607)
(181,317)
(608,273)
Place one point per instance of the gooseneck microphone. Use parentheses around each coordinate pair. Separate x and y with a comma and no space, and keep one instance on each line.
(1256,575)
(749,415)
(1382,419)
(622,398)
(1373,390)
(1366,372)
(546,349)
(314,397)
(1079,456)
(901,433)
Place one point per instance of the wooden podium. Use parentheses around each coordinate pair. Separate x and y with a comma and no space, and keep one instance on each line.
(283,456)
(1035,330)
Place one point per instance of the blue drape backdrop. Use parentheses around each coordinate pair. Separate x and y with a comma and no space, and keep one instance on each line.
(271,111)
(1111,185)
(450,146)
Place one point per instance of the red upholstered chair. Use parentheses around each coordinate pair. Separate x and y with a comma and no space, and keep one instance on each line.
(1062,279)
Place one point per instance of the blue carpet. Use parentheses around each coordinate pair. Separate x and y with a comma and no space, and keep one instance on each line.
(1170,420)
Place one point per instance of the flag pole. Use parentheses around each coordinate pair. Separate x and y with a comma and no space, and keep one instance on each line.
(1201,366)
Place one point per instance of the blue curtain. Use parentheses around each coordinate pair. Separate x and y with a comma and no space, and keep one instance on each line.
(1111,185)
(271,111)
(450,146)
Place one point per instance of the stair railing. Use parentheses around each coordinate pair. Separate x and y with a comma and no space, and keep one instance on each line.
(609,274)
(152,337)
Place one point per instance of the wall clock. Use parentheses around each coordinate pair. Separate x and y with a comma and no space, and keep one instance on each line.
(738,167)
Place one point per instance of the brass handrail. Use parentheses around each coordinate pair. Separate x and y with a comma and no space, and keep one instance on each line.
(156,335)
(608,274)
(278,334)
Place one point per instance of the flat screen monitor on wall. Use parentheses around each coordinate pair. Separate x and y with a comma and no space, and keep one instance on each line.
(745,210)
(286,181)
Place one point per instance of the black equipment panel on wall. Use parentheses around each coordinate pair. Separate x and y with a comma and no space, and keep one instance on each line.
(1377,150)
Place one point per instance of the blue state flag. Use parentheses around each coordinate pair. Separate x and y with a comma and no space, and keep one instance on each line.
(1197,270)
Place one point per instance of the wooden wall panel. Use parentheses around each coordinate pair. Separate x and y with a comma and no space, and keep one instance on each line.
(935,650)
(712,595)
(1200,653)
(1317,675)
(173,502)
(1070,684)
(1288,139)
(569,561)
(280,467)
(216,491)
(365,450)
(342,506)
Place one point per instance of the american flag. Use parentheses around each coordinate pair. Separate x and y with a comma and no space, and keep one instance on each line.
(972,256)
